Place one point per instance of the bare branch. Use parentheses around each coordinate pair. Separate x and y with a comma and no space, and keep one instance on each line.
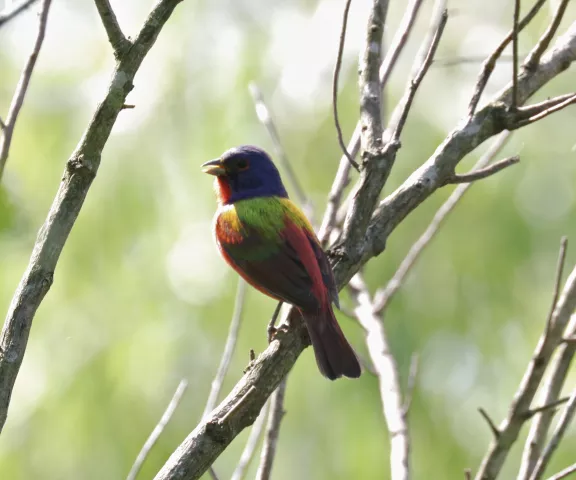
(384,296)
(515,123)
(510,428)
(551,391)
(564,473)
(424,61)
(272,432)
(250,448)
(489,421)
(563,422)
(342,178)
(394,408)
(545,408)
(13,11)
(80,170)
(337,67)
(158,429)
(479,174)
(534,56)
(490,62)
(265,117)
(515,34)
(21,89)
(115,36)
(229,348)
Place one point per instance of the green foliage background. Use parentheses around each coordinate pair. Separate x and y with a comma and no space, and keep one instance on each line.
(141,300)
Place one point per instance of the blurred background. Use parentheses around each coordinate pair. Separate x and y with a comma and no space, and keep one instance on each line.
(141,300)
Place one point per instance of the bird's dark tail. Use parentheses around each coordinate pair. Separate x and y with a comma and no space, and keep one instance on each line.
(334,355)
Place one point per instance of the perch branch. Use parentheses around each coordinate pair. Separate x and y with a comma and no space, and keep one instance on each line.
(214,434)
(480,173)
(515,39)
(78,175)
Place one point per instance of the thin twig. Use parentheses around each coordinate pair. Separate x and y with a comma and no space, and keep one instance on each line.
(569,101)
(13,11)
(229,348)
(342,178)
(250,448)
(384,296)
(337,67)
(563,422)
(480,173)
(116,38)
(515,35)
(423,62)
(490,422)
(545,408)
(272,432)
(410,385)
(22,88)
(265,117)
(564,473)
(558,279)
(158,429)
(490,62)
(534,56)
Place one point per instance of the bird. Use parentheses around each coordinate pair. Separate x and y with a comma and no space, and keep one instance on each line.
(270,243)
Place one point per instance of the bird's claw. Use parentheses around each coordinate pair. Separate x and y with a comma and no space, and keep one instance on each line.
(274,331)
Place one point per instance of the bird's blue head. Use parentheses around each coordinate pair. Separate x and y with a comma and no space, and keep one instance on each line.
(245,172)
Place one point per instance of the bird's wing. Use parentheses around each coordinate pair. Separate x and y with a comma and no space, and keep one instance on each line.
(290,266)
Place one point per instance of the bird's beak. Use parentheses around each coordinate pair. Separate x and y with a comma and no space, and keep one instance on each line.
(214,167)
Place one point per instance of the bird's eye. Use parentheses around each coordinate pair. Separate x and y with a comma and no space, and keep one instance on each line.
(242,165)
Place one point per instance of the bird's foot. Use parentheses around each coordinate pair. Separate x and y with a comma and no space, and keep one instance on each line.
(274,332)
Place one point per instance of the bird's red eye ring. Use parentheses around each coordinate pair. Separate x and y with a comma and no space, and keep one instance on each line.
(242,165)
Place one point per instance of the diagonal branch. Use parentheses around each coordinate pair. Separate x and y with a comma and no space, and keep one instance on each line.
(510,428)
(21,89)
(272,432)
(79,173)
(158,429)
(490,62)
(386,368)
(115,36)
(563,422)
(342,178)
(481,173)
(535,55)
(229,348)
(14,10)
(384,296)
(553,386)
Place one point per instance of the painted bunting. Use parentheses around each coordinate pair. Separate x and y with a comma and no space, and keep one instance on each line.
(269,241)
